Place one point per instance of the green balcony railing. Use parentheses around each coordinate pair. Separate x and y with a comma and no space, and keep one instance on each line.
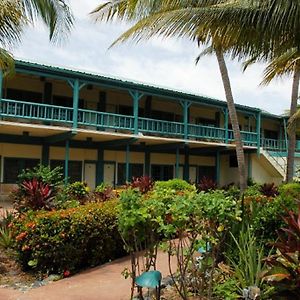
(206,132)
(35,111)
(105,120)
(12,109)
(161,127)
(249,138)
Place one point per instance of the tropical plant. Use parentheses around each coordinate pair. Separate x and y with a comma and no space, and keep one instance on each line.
(6,235)
(285,272)
(269,190)
(78,191)
(15,15)
(178,18)
(104,192)
(206,184)
(34,194)
(143,183)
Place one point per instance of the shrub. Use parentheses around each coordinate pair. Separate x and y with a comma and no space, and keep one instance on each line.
(54,177)
(67,240)
(269,190)
(143,183)
(78,191)
(290,190)
(33,194)
(104,192)
(174,184)
(6,237)
(207,184)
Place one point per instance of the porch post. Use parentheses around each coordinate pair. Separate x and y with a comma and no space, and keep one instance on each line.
(249,166)
(127,163)
(218,167)
(285,135)
(147,163)
(1,91)
(186,105)
(45,155)
(67,156)
(136,96)
(177,163)
(186,171)
(258,129)
(226,122)
(100,167)
(75,103)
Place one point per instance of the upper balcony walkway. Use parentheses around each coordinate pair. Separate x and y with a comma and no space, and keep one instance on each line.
(100,121)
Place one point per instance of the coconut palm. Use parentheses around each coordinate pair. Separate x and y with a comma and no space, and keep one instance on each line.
(15,15)
(259,30)
(176,18)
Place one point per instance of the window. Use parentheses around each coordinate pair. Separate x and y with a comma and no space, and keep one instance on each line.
(206,171)
(26,96)
(14,166)
(162,172)
(135,170)
(74,171)
(270,134)
(128,110)
(206,122)
(66,101)
(161,115)
(233,163)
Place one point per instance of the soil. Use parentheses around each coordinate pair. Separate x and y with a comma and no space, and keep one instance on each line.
(11,274)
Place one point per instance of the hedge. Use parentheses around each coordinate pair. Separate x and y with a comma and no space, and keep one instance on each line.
(70,239)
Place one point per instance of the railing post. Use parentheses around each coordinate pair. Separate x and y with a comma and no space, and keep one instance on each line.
(67,156)
(127,162)
(258,128)
(75,103)
(136,96)
(186,105)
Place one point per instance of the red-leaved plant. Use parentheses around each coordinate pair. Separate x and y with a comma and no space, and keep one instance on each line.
(269,190)
(207,184)
(143,183)
(36,195)
(285,264)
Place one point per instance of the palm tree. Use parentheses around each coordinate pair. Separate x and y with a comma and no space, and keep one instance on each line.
(175,18)
(15,15)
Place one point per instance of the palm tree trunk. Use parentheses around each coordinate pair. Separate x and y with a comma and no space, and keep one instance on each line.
(234,119)
(292,128)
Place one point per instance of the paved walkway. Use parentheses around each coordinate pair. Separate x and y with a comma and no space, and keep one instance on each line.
(101,283)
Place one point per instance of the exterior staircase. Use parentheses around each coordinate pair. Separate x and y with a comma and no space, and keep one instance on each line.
(277,159)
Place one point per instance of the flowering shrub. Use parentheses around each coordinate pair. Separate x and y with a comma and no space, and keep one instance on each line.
(78,191)
(67,240)
(104,192)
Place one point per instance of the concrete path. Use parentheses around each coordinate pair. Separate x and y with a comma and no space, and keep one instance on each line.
(101,283)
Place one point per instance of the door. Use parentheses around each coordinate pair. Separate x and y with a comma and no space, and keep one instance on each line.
(109,173)
(193,174)
(90,174)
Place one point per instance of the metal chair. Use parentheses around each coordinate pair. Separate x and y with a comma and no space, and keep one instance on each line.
(150,279)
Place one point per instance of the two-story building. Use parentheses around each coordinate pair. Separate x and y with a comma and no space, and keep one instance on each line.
(100,128)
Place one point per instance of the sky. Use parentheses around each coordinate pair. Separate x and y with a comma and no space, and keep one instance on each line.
(164,62)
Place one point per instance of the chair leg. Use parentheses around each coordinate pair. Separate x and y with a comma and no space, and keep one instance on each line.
(158,292)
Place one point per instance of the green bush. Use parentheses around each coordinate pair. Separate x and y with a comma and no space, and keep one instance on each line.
(68,239)
(78,191)
(174,184)
(54,177)
(290,190)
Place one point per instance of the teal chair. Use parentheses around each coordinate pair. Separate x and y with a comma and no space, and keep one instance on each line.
(150,280)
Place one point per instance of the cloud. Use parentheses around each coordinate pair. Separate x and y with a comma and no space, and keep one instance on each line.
(164,62)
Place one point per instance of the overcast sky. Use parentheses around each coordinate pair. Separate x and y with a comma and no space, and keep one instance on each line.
(168,63)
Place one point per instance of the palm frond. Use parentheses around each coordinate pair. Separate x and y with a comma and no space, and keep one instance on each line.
(7,63)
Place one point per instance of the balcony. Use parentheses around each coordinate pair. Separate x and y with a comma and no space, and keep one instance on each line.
(63,116)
